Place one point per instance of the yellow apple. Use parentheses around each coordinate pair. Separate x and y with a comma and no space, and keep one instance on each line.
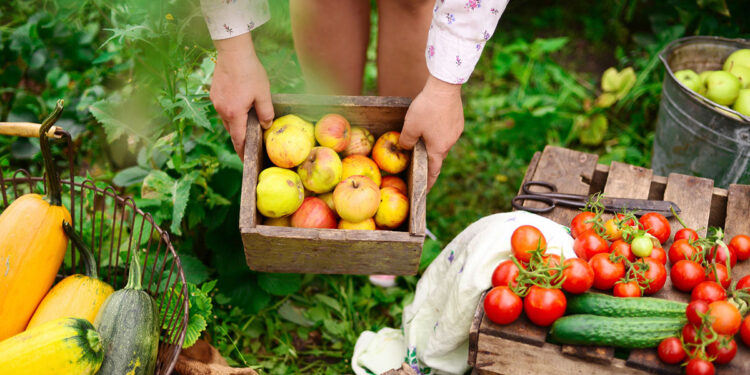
(356,198)
(288,145)
(354,165)
(367,224)
(284,221)
(328,198)
(313,213)
(360,143)
(321,171)
(393,208)
(294,120)
(279,192)
(396,182)
(388,155)
(333,131)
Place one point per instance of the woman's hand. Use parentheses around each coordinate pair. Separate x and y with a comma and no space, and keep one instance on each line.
(240,83)
(437,116)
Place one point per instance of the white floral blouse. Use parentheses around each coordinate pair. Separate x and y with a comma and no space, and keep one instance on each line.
(457,35)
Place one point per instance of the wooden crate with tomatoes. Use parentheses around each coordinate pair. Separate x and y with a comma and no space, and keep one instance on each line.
(525,348)
(305,238)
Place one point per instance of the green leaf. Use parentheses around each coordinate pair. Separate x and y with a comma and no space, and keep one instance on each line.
(157,185)
(195,271)
(328,301)
(130,176)
(718,6)
(180,197)
(292,313)
(280,284)
(195,327)
(113,127)
(244,292)
(193,110)
(605,100)
(591,130)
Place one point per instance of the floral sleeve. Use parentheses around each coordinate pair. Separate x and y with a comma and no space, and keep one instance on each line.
(229,18)
(457,36)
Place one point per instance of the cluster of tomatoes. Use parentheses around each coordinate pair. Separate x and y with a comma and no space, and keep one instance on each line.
(713,320)
(533,281)
(625,252)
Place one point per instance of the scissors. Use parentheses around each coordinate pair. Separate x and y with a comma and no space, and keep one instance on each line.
(552,199)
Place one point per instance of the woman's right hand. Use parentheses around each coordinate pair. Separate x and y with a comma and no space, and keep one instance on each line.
(240,83)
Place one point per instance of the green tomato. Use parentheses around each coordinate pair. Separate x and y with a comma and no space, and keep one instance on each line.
(642,246)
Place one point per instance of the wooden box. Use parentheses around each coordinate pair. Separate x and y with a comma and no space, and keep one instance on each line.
(520,348)
(334,251)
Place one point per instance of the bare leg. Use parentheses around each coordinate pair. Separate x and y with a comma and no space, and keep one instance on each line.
(402,39)
(331,38)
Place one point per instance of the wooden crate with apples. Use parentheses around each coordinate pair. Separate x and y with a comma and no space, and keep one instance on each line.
(334,251)
(521,347)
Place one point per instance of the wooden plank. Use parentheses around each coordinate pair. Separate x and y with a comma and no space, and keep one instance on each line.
(648,360)
(693,196)
(598,354)
(522,330)
(476,322)
(417,185)
(501,356)
(530,171)
(251,169)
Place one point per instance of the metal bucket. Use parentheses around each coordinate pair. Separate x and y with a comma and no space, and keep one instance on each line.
(694,135)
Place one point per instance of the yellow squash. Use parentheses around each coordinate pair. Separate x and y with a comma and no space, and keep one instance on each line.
(32,245)
(78,296)
(60,347)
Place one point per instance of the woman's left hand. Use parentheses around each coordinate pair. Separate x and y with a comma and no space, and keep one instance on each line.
(437,116)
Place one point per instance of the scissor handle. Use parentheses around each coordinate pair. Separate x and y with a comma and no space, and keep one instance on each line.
(518,201)
(528,184)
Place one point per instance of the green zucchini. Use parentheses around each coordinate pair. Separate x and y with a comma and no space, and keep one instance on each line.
(623,332)
(604,305)
(128,323)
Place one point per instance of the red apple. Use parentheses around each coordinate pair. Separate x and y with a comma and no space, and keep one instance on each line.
(393,208)
(333,131)
(388,155)
(354,165)
(394,181)
(356,199)
(313,213)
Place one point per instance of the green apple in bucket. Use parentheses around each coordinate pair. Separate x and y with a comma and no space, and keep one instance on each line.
(690,79)
(722,87)
(739,57)
(742,104)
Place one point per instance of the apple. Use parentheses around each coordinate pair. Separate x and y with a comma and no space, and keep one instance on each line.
(279,192)
(313,213)
(321,171)
(367,224)
(738,57)
(393,208)
(394,181)
(704,76)
(742,73)
(354,165)
(388,155)
(288,145)
(360,143)
(328,198)
(690,79)
(742,104)
(356,198)
(333,131)
(722,87)
(284,221)
(294,120)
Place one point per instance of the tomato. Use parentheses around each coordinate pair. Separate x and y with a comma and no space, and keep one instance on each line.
(721,253)
(670,350)
(502,306)
(588,244)
(642,246)
(686,274)
(505,274)
(526,239)
(552,260)
(543,305)
(745,330)
(654,277)
(741,246)
(694,310)
(680,250)
(628,289)
(723,350)
(690,334)
(606,272)
(613,229)
(659,254)
(708,291)
(725,317)
(721,276)
(657,225)
(579,223)
(744,283)
(686,234)
(622,248)
(579,276)
(697,366)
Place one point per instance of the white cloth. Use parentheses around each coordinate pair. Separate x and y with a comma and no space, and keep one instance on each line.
(457,34)
(436,324)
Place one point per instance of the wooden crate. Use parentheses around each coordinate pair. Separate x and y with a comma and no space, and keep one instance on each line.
(335,251)
(520,348)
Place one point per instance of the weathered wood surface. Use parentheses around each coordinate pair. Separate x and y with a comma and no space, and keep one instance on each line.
(272,249)
(25,129)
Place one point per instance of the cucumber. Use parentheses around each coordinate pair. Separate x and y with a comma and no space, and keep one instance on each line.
(622,332)
(604,305)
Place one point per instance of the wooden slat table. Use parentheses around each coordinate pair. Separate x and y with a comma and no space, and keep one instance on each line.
(521,348)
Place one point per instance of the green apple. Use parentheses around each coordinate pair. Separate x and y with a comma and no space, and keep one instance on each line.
(279,192)
(722,87)
(742,73)
(742,104)
(690,79)
(739,57)
(704,75)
